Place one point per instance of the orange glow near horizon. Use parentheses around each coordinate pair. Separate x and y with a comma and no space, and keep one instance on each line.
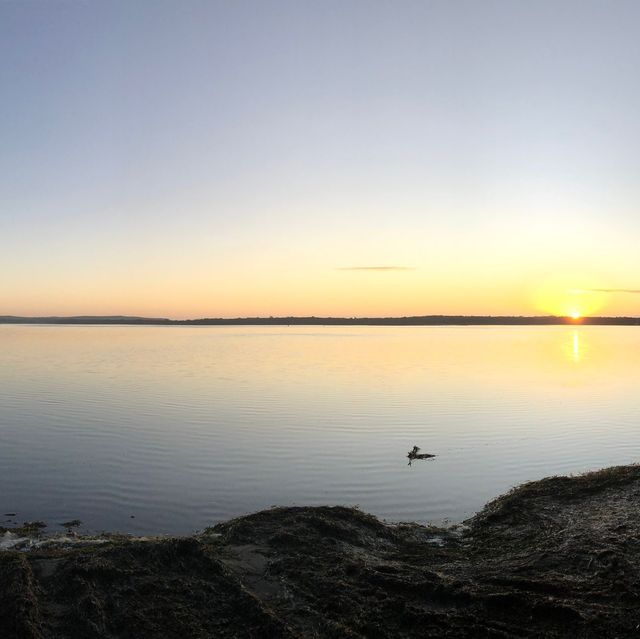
(570,296)
(244,290)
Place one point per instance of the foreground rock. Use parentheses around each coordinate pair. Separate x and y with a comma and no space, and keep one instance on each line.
(554,558)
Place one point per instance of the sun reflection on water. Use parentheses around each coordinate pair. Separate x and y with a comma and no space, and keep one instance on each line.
(576,347)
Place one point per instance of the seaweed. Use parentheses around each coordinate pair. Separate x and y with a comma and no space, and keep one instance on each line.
(555,558)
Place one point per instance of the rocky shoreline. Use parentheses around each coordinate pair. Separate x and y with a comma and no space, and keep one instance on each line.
(558,557)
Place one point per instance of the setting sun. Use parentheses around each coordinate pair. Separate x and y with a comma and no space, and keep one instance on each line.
(570,295)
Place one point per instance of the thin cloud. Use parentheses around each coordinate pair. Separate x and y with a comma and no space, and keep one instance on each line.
(608,290)
(376,268)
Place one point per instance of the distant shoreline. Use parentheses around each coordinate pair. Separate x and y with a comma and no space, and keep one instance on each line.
(420,320)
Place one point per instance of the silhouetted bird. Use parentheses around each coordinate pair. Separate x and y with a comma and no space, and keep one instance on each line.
(414,454)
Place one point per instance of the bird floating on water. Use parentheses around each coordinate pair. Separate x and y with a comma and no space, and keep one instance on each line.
(414,454)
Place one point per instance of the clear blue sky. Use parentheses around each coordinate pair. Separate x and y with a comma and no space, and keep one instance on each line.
(229,158)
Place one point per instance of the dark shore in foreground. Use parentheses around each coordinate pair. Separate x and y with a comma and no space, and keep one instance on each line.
(558,557)
(417,320)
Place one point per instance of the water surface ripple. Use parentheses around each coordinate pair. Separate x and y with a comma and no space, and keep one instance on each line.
(181,427)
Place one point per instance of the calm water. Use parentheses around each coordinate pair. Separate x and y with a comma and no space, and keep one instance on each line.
(185,426)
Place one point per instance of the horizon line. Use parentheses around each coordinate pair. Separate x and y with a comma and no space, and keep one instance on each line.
(431,319)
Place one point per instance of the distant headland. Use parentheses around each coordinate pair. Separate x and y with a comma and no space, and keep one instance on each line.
(416,320)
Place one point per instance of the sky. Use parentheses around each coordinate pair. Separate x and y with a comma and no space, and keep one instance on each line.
(194,158)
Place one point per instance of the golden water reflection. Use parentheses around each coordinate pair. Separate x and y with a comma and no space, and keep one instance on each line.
(300,360)
(576,346)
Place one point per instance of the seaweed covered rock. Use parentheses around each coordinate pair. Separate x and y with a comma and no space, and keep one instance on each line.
(554,558)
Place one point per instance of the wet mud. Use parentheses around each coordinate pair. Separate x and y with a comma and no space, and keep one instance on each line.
(554,558)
